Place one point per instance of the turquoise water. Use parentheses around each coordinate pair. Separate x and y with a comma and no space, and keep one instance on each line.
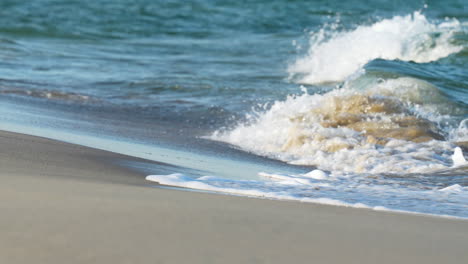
(202,52)
(268,79)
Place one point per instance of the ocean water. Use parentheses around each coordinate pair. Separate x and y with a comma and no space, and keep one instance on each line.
(352,103)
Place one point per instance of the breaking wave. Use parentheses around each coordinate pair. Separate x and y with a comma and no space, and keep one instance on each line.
(333,56)
(395,126)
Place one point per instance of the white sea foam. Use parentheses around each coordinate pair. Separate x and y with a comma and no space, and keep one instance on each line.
(316,174)
(458,158)
(296,130)
(333,56)
(456,188)
(285,187)
(183,181)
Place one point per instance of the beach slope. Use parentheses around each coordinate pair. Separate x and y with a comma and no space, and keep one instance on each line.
(63,203)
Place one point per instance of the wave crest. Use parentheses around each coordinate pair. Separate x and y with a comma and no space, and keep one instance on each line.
(333,56)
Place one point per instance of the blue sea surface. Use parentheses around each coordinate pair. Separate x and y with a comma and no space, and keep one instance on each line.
(260,80)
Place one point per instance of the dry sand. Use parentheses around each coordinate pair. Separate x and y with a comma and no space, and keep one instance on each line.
(62,203)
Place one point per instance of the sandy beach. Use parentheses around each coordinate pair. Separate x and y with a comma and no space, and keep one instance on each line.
(63,203)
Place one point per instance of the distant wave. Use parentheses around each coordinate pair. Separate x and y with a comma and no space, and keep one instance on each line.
(48,94)
(333,55)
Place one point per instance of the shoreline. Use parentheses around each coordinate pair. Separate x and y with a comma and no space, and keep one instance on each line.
(66,203)
(195,156)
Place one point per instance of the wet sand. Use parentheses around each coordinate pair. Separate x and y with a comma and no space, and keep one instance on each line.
(63,203)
